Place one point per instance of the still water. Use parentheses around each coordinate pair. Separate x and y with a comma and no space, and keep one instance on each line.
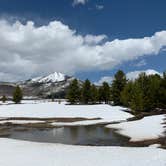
(79,135)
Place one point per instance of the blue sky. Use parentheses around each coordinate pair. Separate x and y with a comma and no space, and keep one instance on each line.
(117,19)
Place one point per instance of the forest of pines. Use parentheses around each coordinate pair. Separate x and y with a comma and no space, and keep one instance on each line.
(144,94)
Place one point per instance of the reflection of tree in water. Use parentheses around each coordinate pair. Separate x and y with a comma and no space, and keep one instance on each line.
(73,133)
(106,130)
(165,125)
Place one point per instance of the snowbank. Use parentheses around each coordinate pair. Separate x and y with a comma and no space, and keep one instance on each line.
(80,123)
(52,109)
(150,127)
(19,153)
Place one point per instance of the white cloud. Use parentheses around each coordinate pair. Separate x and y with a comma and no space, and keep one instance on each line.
(141,63)
(27,50)
(130,76)
(134,74)
(99,7)
(78,2)
(107,79)
(92,40)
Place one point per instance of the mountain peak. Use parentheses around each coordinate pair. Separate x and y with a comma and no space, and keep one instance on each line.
(54,77)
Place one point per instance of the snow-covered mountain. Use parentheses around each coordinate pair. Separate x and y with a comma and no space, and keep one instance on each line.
(54,77)
(55,84)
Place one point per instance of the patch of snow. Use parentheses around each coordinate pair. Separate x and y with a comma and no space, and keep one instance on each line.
(80,123)
(150,127)
(155,145)
(36,79)
(19,153)
(53,109)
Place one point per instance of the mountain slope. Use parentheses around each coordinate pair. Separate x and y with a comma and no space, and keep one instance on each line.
(54,84)
(54,77)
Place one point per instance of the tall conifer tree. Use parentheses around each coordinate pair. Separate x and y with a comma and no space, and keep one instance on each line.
(86,92)
(74,93)
(118,85)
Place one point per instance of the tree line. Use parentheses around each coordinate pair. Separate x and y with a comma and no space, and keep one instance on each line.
(17,96)
(88,93)
(145,93)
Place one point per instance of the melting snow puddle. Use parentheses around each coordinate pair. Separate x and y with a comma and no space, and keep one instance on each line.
(96,135)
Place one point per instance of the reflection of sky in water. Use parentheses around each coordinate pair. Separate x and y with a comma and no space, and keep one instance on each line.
(85,135)
(58,131)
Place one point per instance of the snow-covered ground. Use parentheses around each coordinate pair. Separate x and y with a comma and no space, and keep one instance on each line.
(150,127)
(107,113)
(19,153)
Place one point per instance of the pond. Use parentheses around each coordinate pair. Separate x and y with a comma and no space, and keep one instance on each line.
(78,135)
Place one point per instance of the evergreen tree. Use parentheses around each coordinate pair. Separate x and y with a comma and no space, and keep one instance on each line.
(106,92)
(126,94)
(153,92)
(137,98)
(94,94)
(3,99)
(73,94)
(118,85)
(100,94)
(132,96)
(17,95)
(162,92)
(86,92)
(143,94)
(143,83)
(146,93)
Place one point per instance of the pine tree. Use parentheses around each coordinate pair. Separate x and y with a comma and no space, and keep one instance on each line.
(118,85)
(162,92)
(126,94)
(137,98)
(73,94)
(106,92)
(17,95)
(3,99)
(94,94)
(146,93)
(153,91)
(86,92)
(100,94)
(143,83)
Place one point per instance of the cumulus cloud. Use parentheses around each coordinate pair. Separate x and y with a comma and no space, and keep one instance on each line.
(107,79)
(130,76)
(134,74)
(92,40)
(78,2)
(27,50)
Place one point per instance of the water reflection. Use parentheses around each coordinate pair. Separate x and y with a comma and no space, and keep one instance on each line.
(80,135)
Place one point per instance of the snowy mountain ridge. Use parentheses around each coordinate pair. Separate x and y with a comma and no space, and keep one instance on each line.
(54,84)
(54,77)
